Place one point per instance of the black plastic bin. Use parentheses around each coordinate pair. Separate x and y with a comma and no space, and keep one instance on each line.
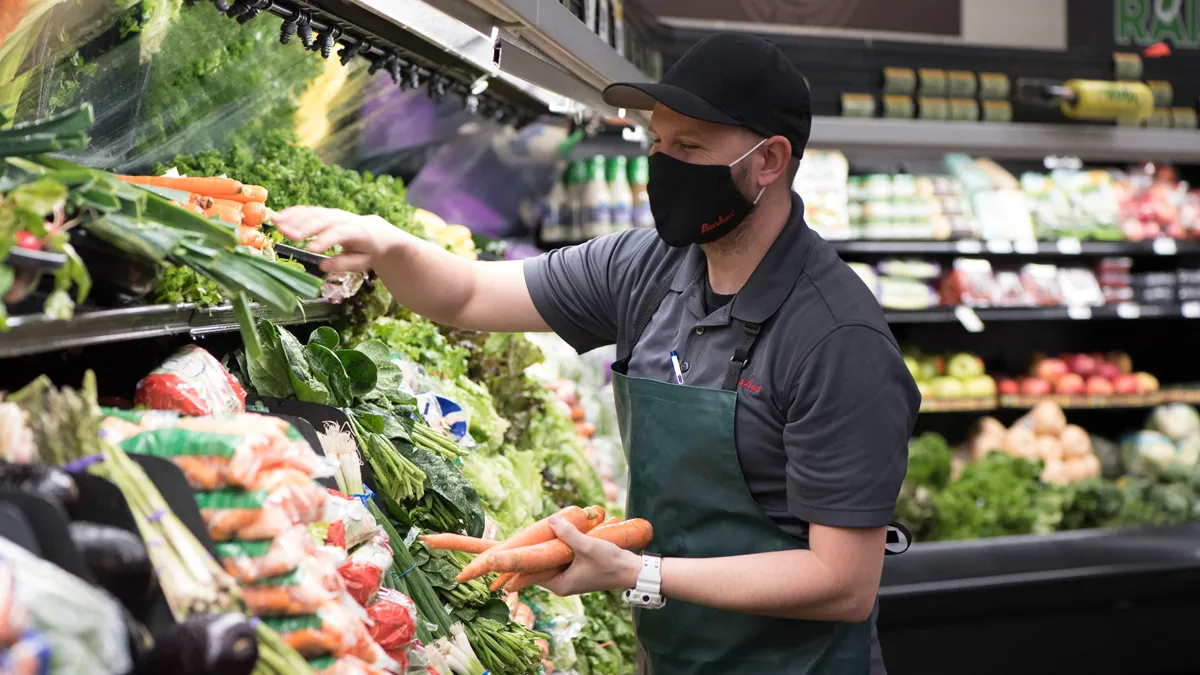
(1119,602)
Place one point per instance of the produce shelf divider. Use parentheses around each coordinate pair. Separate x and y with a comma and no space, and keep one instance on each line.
(36,334)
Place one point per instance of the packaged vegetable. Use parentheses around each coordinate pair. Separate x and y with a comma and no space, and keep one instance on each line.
(360,525)
(237,514)
(249,561)
(302,498)
(301,591)
(330,630)
(192,382)
(393,624)
(349,665)
(364,569)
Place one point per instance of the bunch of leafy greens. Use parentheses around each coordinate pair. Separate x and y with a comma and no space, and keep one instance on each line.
(994,496)
(1091,503)
(1151,503)
(606,645)
(929,469)
(176,285)
(295,175)
(219,81)
(510,485)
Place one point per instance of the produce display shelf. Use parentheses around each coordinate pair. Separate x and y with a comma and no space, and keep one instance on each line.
(1122,311)
(973,247)
(1072,401)
(981,404)
(1005,141)
(34,334)
(540,42)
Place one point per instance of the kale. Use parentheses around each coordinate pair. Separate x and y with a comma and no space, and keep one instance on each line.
(995,496)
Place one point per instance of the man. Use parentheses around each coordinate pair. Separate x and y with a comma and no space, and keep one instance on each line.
(769,458)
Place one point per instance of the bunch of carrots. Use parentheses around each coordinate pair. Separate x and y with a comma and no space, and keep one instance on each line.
(535,554)
(225,199)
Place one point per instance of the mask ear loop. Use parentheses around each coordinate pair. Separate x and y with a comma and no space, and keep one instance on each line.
(764,188)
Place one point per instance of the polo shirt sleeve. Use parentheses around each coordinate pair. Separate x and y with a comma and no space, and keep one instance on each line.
(852,412)
(576,291)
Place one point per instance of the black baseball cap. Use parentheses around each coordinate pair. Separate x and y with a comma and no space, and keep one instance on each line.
(730,78)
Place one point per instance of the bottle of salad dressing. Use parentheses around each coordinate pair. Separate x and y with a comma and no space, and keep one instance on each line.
(597,202)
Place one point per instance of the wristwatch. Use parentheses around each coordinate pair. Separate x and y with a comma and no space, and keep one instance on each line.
(648,592)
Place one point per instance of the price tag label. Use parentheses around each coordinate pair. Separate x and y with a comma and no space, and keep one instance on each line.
(1079,313)
(999,246)
(1165,246)
(1129,310)
(969,319)
(968,247)
(1069,246)
(1025,246)
(1190,310)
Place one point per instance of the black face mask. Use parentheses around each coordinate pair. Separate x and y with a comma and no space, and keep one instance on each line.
(696,203)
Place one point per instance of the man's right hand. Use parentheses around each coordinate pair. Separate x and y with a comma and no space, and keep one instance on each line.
(426,278)
(365,240)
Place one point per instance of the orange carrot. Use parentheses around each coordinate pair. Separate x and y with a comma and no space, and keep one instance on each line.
(597,513)
(533,534)
(526,579)
(253,193)
(224,212)
(456,542)
(200,200)
(248,236)
(631,534)
(254,214)
(213,187)
(190,206)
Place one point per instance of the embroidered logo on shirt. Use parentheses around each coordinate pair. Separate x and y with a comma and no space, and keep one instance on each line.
(749,384)
(706,227)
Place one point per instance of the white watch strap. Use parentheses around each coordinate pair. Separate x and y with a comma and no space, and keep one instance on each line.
(650,578)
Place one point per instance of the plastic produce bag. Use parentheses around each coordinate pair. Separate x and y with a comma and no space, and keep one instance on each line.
(359,524)
(249,561)
(393,622)
(330,630)
(302,591)
(82,624)
(351,665)
(192,382)
(237,514)
(364,569)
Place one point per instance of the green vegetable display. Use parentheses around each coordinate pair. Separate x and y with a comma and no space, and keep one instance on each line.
(295,176)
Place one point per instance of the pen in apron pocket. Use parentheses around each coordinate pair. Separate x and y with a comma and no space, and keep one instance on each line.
(675,365)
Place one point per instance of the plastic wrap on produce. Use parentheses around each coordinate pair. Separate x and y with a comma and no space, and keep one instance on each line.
(364,568)
(249,561)
(82,624)
(359,524)
(192,382)
(393,621)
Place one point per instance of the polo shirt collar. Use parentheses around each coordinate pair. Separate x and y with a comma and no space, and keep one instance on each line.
(770,283)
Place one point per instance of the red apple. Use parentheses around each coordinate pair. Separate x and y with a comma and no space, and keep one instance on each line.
(1125,384)
(1098,386)
(1050,369)
(1082,364)
(1108,371)
(1121,360)
(1008,387)
(1070,384)
(1035,386)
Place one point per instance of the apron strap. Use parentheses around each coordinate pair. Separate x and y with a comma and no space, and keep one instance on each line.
(649,307)
(741,356)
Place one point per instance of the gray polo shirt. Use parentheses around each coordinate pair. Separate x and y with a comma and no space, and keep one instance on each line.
(825,405)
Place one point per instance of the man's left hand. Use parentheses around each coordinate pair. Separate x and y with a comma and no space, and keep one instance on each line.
(598,566)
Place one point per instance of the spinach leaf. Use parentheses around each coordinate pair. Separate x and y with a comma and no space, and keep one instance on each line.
(447,482)
(326,337)
(309,388)
(329,371)
(440,572)
(389,378)
(372,422)
(270,375)
(391,426)
(361,370)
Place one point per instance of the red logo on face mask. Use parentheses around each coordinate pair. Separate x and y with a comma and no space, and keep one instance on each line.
(708,227)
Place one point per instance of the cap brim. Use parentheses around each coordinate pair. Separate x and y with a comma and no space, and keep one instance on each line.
(644,96)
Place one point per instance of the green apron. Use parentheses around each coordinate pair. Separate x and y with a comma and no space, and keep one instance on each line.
(686,479)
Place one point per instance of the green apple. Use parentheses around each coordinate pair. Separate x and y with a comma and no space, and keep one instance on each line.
(964,366)
(928,368)
(980,386)
(925,388)
(948,387)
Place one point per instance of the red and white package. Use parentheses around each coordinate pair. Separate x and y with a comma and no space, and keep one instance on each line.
(364,569)
(393,622)
(970,282)
(1041,281)
(192,382)
(360,525)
